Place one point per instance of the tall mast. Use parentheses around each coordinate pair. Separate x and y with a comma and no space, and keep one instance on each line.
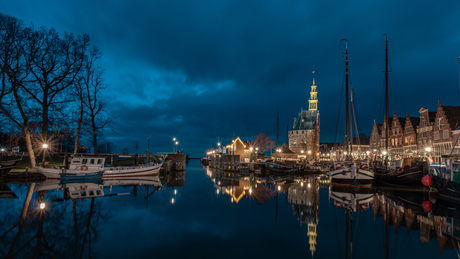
(347,136)
(387,129)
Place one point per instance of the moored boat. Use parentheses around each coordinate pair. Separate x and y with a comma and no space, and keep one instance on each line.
(80,167)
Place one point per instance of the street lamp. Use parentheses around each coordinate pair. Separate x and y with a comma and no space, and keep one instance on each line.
(45,146)
(174,145)
(428,149)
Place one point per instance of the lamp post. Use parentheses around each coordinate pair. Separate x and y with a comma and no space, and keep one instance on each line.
(174,145)
(45,146)
(177,144)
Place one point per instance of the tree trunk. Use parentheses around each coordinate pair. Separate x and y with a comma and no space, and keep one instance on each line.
(94,134)
(29,146)
(45,119)
(77,136)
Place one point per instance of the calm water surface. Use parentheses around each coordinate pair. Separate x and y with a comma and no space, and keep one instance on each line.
(208,214)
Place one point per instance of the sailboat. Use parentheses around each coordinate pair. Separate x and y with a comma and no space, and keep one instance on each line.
(406,172)
(350,173)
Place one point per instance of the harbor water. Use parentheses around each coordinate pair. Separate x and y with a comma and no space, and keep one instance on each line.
(202,213)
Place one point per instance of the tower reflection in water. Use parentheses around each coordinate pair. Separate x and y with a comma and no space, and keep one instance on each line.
(302,193)
(47,225)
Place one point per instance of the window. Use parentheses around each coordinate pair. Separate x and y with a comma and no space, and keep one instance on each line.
(408,129)
(423,123)
(424,134)
(99,161)
(84,161)
(440,123)
(92,161)
(445,134)
(436,135)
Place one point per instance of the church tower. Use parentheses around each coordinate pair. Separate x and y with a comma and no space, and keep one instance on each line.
(304,136)
(313,100)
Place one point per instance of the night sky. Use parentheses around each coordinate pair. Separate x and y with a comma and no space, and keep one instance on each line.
(199,70)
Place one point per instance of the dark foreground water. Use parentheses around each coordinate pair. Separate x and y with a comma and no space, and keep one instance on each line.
(205,214)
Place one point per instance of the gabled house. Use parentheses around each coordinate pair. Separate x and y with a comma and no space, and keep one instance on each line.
(447,120)
(425,132)
(410,136)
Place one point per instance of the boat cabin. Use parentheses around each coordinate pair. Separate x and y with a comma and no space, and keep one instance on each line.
(87,163)
(83,190)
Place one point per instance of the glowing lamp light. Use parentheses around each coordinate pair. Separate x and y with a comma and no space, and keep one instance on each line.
(177,142)
(384,152)
(301,151)
(345,152)
(309,185)
(427,149)
(173,200)
(217,191)
(45,145)
(250,191)
(42,205)
(279,188)
(174,139)
(218,144)
(301,183)
(250,148)
(309,151)
(175,191)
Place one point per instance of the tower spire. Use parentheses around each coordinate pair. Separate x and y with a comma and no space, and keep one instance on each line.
(313,77)
(313,100)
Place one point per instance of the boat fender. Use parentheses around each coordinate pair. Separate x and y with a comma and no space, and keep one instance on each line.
(400,170)
(338,166)
(84,168)
(365,167)
(427,180)
(83,187)
(338,205)
(427,206)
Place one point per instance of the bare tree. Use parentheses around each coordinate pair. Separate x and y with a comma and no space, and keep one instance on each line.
(55,65)
(15,43)
(90,85)
(263,142)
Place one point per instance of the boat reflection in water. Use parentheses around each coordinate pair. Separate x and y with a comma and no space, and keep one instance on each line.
(48,226)
(435,218)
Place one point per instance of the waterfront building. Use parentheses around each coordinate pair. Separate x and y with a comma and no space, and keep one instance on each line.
(241,148)
(396,136)
(410,136)
(284,153)
(447,120)
(360,147)
(305,133)
(374,141)
(425,132)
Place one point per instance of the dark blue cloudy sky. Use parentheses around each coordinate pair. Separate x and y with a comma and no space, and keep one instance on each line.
(197,70)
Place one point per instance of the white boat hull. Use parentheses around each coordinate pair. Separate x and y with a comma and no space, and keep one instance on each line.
(109,172)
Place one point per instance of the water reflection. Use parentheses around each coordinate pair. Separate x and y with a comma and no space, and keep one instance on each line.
(63,219)
(434,217)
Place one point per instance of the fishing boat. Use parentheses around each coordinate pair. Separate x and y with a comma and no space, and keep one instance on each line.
(406,172)
(6,165)
(348,172)
(83,166)
(280,168)
(446,179)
